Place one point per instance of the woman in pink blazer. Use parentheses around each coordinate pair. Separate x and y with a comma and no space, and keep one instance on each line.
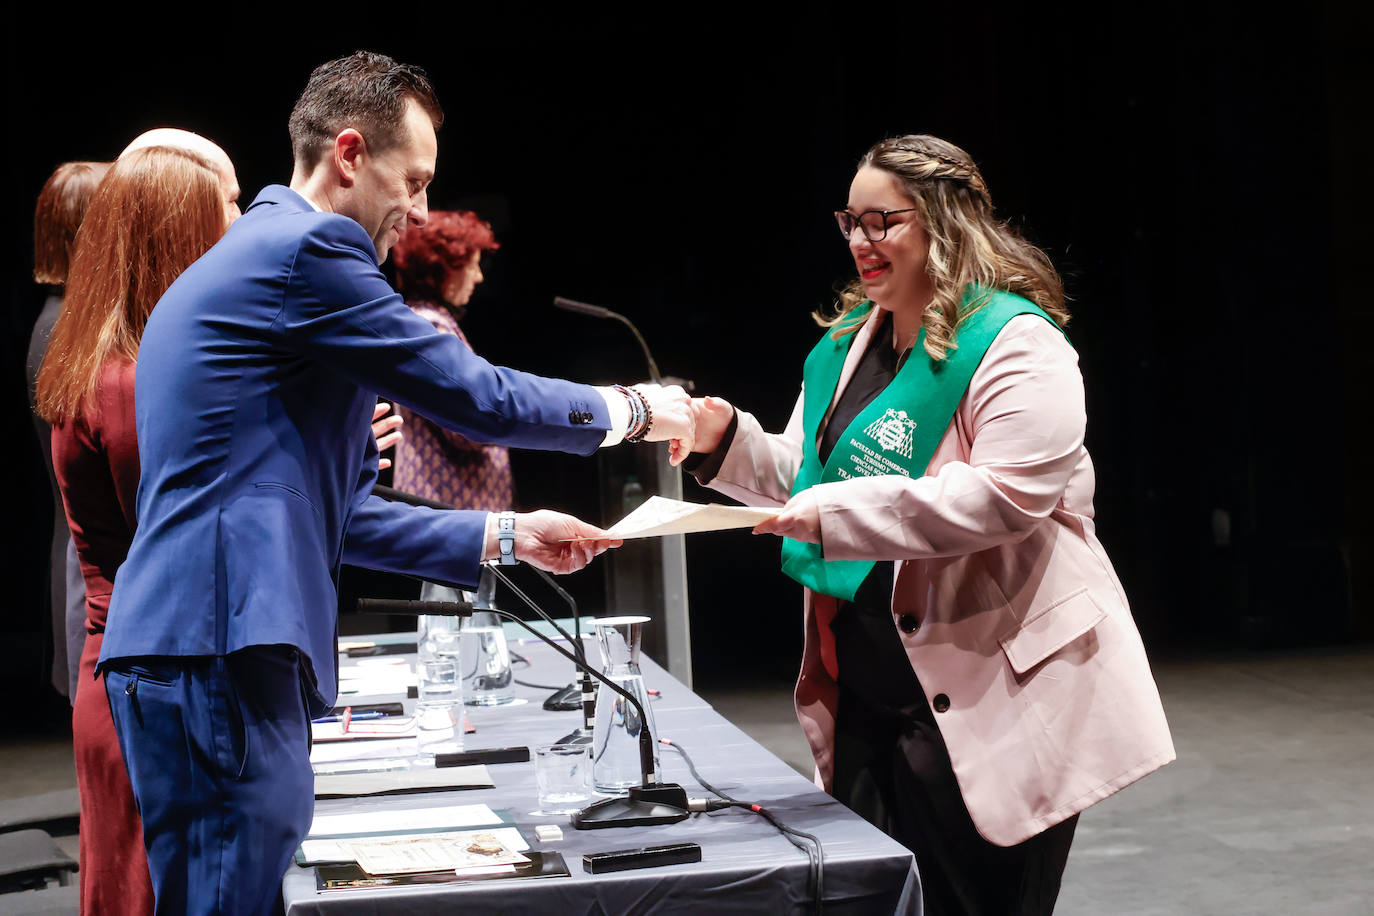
(972,677)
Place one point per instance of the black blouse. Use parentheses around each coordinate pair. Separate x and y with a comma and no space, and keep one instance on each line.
(872,662)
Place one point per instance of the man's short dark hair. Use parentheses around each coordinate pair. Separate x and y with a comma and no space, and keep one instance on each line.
(365,91)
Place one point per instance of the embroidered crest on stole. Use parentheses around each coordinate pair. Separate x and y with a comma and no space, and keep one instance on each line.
(894,431)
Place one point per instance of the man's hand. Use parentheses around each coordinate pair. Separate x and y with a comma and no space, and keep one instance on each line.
(387,431)
(540,541)
(800,520)
(673,419)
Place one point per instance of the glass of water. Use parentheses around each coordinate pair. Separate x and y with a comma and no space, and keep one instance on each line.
(439,710)
(563,772)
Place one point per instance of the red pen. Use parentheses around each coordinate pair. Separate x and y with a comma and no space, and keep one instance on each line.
(347,718)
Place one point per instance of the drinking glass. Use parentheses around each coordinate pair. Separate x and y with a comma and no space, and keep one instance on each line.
(563,772)
(439,710)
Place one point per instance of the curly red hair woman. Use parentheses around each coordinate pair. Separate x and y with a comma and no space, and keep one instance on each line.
(438,265)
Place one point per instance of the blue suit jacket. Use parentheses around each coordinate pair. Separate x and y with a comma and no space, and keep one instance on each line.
(256,379)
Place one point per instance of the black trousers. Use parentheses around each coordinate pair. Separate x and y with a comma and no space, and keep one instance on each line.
(902,782)
(892,768)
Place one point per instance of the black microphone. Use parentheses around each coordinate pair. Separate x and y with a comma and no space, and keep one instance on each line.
(409,499)
(585,308)
(596,311)
(414,608)
(651,802)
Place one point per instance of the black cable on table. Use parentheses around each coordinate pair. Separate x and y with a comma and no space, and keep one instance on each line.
(816,863)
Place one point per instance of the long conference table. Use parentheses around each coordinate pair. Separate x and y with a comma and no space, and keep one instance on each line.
(746,865)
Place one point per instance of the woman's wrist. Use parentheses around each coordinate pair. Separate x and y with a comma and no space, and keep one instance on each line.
(715,421)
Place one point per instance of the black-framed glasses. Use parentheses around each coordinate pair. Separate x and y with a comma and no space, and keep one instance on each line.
(873,223)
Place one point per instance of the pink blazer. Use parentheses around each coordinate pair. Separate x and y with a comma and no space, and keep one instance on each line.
(1023,624)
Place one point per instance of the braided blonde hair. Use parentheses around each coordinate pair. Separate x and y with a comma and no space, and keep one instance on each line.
(968,245)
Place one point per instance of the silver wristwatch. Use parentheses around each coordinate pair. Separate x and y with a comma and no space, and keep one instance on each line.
(505,538)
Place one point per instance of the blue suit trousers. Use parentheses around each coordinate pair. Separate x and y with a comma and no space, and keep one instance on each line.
(218,752)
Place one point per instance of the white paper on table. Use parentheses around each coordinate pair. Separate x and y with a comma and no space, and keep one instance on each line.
(355,767)
(376,677)
(659,516)
(363,730)
(384,780)
(399,820)
(316,852)
(362,750)
(389,666)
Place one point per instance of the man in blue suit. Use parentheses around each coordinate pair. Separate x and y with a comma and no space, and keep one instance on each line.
(257,376)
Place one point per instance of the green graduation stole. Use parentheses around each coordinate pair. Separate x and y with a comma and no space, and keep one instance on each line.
(895,434)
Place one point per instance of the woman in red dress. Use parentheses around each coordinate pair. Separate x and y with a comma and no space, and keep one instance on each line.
(158,209)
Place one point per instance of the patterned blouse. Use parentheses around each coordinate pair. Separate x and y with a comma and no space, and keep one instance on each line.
(439,464)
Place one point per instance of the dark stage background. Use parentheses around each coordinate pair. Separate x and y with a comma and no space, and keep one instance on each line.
(1201,181)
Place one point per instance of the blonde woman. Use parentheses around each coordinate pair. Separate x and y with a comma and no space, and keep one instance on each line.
(972,678)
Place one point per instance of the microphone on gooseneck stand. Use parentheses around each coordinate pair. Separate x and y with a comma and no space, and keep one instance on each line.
(588,694)
(410,499)
(573,696)
(413,608)
(651,802)
(596,311)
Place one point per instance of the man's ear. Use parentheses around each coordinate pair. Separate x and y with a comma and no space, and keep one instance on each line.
(350,152)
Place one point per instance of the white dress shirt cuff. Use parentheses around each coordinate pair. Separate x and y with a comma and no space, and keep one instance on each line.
(619,410)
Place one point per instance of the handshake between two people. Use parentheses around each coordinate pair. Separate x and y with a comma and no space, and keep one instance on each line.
(560,543)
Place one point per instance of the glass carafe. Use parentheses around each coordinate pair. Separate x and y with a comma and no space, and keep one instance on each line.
(615,738)
(484,661)
(477,643)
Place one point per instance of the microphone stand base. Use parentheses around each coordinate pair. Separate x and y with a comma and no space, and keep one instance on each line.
(576,736)
(645,806)
(568,699)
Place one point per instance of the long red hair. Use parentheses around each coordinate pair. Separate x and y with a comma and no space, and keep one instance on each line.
(156,211)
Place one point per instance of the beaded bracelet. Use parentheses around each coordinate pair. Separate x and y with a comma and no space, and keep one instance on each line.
(648,419)
(640,417)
